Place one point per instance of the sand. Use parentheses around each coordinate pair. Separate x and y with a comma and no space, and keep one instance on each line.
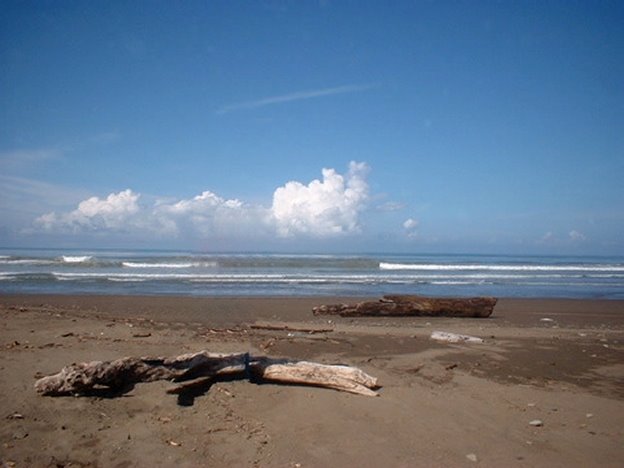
(440,404)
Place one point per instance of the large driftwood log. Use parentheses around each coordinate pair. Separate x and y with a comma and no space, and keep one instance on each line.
(413,305)
(82,378)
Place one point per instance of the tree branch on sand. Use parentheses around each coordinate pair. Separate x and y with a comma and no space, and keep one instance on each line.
(82,378)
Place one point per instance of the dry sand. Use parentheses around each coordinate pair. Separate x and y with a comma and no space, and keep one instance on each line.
(441,404)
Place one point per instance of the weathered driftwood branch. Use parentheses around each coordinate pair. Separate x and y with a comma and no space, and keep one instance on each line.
(311,331)
(85,377)
(344,378)
(413,305)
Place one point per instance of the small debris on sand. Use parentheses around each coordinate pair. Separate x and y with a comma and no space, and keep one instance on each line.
(454,337)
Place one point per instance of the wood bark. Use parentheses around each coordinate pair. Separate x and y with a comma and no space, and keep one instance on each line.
(407,305)
(82,378)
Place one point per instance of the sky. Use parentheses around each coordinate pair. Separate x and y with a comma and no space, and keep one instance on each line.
(319,126)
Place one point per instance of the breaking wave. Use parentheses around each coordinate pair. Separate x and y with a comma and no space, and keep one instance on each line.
(76,258)
(174,272)
(170,265)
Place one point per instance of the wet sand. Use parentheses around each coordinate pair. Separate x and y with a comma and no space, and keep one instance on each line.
(557,361)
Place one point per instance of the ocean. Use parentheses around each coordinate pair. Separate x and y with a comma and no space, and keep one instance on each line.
(265,274)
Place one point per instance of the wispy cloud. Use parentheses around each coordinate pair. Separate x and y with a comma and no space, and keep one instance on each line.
(297,96)
(391,206)
(22,198)
(27,157)
(576,236)
(572,237)
(14,189)
(18,159)
(105,137)
(411,227)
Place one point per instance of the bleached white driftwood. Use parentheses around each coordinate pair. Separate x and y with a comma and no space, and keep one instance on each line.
(84,377)
(345,378)
(454,337)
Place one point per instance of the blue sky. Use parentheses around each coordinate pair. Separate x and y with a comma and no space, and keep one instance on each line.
(493,127)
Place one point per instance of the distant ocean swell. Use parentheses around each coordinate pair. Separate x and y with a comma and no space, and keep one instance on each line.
(234,261)
(148,272)
(169,265)
(529,267)
(249,277)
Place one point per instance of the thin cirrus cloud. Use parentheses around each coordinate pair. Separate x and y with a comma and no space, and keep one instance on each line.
(296,96)
(320,209)
(16,159)
(20,158)
(23,198)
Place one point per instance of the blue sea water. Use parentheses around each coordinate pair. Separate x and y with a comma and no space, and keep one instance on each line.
(266,274)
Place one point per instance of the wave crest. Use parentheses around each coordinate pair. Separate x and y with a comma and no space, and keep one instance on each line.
(467,267)
(169,265)
(76,258)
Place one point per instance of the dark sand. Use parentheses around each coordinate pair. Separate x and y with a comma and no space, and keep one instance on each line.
(441,404)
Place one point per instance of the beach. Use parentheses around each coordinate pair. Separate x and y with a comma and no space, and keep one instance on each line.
(545,388)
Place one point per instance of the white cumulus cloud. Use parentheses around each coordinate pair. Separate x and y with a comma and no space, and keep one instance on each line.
(572,237)
(411,227)
(410,224)
(576,236)
(209,213)
(200,204)
(323,207)
(548,237)
(115,212)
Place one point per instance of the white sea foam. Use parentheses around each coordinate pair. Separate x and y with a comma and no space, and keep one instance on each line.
(76,258)
(457,282)
(155,276)
(169,265)
(213,278)
(127,280)
(156,265)
(25,261)
(467,267)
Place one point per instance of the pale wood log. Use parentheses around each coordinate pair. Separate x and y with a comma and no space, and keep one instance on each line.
(408,305)
(345,378)
(85,377)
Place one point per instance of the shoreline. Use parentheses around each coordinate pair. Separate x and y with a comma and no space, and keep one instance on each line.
(439,402)
(220,309)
